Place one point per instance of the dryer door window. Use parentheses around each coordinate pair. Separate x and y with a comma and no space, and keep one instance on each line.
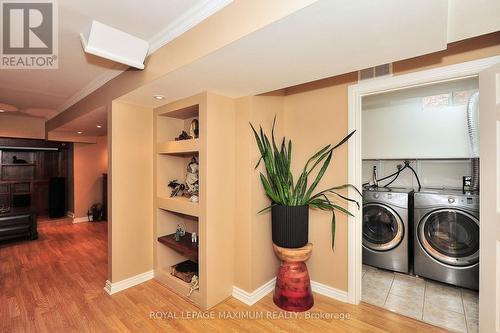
(450,236)
(382,227)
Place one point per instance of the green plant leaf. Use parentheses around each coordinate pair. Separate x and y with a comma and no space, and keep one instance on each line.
(319,176)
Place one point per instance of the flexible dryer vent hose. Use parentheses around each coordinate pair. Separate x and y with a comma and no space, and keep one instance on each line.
(473,131)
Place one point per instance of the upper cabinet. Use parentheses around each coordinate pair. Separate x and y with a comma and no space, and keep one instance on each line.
(420,122)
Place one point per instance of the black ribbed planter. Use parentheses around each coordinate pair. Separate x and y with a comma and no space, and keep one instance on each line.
(290,225)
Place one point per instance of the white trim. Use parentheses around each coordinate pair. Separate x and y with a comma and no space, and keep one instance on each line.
(81,219)
(113,288)
(250,298)
(93,85)
(355,94)
(70,214)
(323,289)
(185,22)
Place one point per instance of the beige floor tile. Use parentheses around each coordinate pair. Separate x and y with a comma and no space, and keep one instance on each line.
(472,325)
(407,306)
(408,286)
(471,309)
(436,315)
(470,295)
(442,287)
(444,297)
(373,292)
(382,279)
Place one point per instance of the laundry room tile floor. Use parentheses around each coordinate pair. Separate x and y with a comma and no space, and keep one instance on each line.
(436,303)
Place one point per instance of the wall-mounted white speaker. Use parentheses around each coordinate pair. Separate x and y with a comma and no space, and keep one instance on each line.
(110,43)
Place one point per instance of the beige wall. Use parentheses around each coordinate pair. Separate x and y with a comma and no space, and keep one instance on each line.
(255,262)
(315,114)
(90,162)
(131,184)
(22,127)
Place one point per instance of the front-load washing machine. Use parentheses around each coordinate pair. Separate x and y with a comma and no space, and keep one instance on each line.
(446,237)
(385,228)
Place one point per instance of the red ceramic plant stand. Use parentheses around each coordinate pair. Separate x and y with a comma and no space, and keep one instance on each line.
(293,286)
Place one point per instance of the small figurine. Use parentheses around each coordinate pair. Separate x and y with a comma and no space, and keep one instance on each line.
(16,160)
(182,230)
(183,136)
(195,284)
(194,129)
(194,238)
(192,181)
(177,188)
(177,235)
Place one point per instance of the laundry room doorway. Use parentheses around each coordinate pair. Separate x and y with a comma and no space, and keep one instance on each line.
(414,247)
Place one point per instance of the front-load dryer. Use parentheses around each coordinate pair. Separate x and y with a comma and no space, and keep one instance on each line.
(386,227)
(446,237)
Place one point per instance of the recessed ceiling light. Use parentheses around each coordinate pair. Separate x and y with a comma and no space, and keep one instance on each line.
(1,111)
(79,132)
(99,126)
(159,97)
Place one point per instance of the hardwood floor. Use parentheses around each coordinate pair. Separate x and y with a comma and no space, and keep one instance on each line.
(55,284)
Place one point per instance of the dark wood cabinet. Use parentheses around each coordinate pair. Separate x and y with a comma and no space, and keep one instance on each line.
(27,183)
(18,223)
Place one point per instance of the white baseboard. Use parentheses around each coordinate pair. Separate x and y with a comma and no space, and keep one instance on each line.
(250,298)
(323,289)
(254,296)
(70,214)
(112,288)
(81,219)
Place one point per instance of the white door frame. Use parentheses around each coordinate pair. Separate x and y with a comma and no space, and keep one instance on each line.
(355,94)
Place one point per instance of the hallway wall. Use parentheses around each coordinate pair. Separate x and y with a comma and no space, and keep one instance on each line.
(90,162)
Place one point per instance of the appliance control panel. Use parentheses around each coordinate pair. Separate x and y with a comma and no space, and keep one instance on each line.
(453,200)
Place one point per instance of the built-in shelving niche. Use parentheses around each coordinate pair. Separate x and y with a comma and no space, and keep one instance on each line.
(172,161)
(212,218)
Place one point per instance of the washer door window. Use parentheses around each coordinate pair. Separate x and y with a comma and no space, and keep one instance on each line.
(450,236)
(382,227)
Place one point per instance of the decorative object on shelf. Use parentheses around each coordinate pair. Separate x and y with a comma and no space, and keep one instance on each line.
(194,238)
(4,209)
(194,129)
(177,188)
(177,235)
(185,270)
(192,178)
(293,286)
(291,202)
(182,229)
(195,285)
(183,136)
(16,160)
(194,198)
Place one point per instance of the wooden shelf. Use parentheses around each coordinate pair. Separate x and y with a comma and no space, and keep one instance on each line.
(18,164)
(180,205)
(183,246)
(177,285)
(181,147)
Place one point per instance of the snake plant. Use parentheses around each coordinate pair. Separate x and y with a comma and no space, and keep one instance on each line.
(279,184)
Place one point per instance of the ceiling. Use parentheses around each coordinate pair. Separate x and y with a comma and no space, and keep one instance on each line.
(87,125)
(327,38)
(44,93)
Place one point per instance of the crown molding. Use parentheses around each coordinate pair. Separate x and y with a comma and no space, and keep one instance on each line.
(182,24)
(186,21)
(95,84)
